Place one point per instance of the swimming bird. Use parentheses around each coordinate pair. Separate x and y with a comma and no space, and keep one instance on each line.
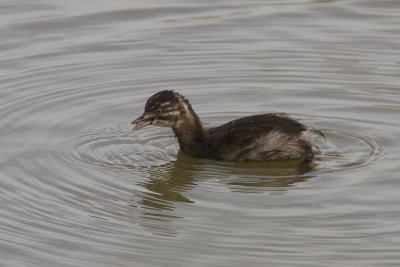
(272,136)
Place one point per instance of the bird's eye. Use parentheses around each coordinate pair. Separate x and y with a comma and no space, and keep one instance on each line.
(159,111)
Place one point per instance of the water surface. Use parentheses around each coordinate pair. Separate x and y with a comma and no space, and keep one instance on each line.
(78,187)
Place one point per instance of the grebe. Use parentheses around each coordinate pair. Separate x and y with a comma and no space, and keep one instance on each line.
(272,136)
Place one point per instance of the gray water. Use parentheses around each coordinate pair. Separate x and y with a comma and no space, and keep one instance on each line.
(78,187)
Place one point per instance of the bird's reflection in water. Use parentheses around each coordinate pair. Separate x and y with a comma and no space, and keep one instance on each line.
(270,176)
(168,184)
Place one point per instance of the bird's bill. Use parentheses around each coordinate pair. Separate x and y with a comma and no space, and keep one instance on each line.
(142,121)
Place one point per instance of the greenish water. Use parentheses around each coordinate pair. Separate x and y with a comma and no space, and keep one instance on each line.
(78,187)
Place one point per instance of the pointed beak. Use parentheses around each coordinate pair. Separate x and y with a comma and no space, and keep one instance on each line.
(144,120)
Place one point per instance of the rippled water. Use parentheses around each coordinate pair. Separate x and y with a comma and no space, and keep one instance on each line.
(79,188)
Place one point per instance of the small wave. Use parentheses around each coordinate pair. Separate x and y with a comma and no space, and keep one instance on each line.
(345,149)
(116,147)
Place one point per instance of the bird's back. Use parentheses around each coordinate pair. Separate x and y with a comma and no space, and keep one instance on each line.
(259,138)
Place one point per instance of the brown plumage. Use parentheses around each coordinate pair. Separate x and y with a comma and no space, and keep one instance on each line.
(253,138)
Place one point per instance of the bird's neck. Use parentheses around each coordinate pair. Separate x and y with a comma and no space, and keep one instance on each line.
(189,132)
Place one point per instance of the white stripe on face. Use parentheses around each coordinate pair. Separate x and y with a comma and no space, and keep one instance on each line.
(173,113)
(165,104)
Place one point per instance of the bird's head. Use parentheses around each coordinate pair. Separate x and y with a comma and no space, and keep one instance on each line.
(166,108)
